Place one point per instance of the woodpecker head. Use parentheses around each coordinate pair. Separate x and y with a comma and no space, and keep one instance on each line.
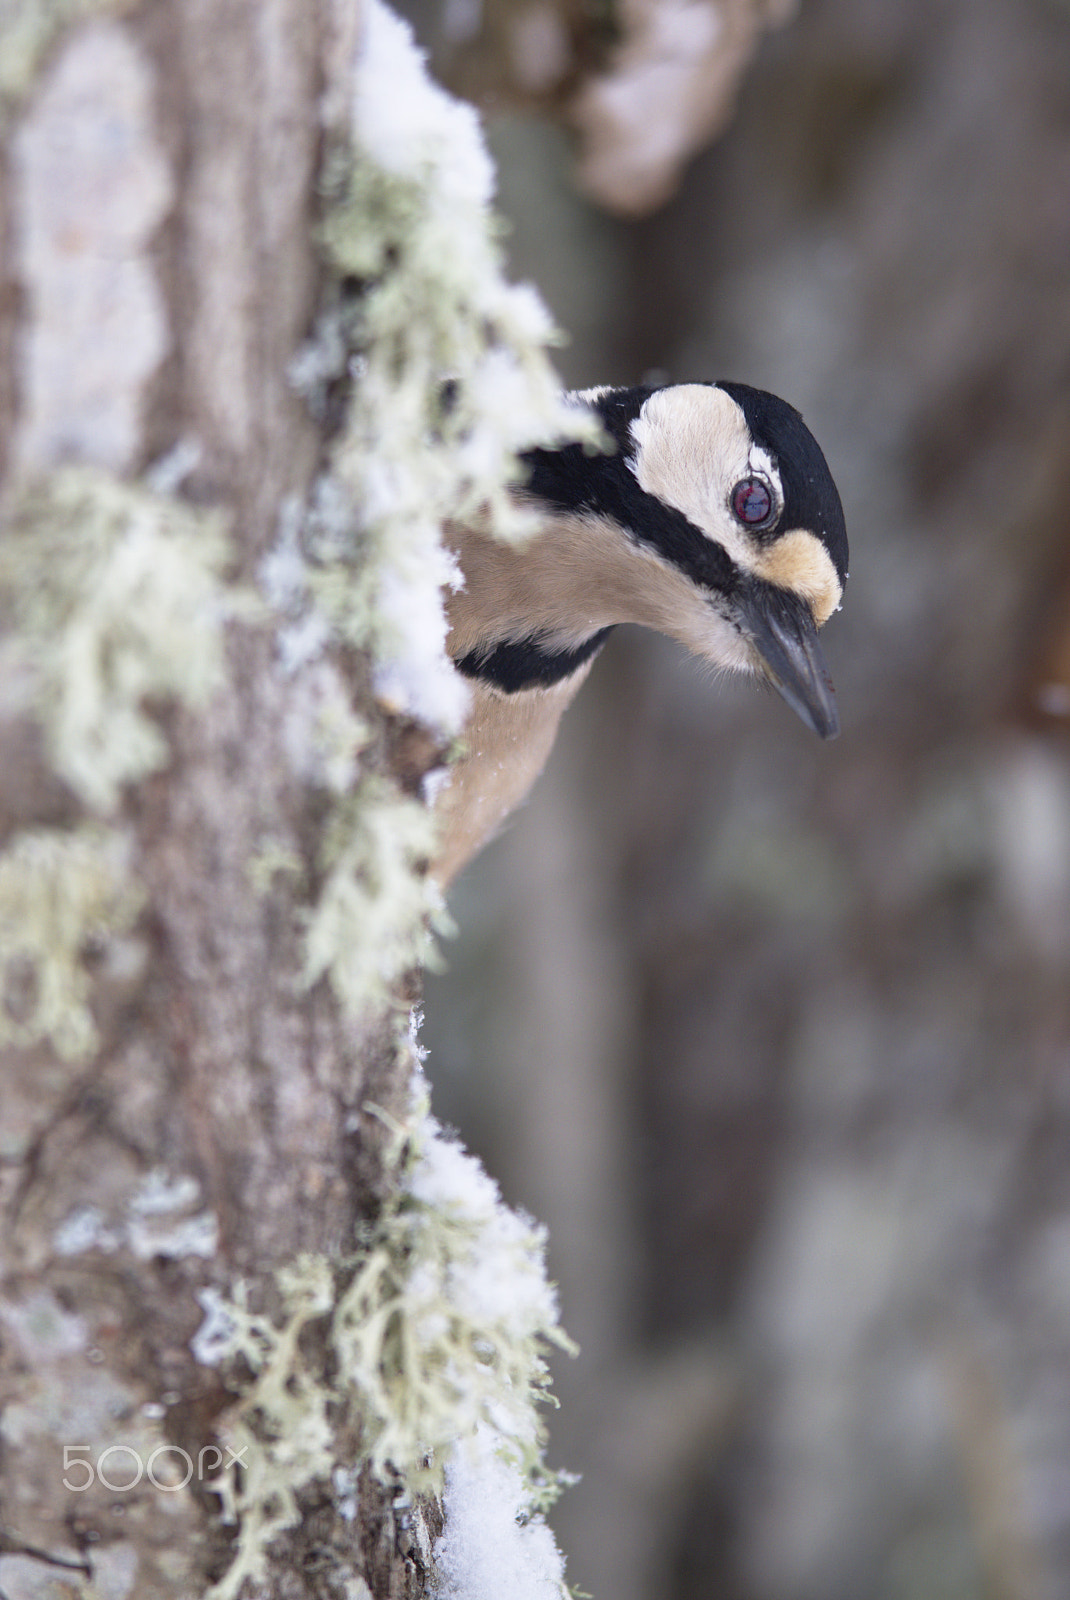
(725,495)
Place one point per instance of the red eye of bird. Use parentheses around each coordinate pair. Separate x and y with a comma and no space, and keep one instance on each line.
(752,502)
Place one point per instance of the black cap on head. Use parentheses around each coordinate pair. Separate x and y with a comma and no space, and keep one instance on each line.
(811,499)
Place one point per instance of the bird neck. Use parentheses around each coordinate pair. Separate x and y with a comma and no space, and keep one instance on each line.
(533,614)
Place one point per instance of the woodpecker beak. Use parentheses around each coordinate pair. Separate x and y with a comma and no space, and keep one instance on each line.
(781,628)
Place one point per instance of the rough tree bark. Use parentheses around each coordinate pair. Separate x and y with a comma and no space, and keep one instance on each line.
(158,206)
(203,1092)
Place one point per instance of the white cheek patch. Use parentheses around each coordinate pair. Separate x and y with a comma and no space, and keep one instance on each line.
(691,445)
(799,561)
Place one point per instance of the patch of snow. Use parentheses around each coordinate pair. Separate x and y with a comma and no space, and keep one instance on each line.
(214,1339)
(491,1544)
(403,120)
(417,677)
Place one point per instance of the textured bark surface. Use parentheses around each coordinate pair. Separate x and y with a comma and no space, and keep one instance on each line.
(157,235)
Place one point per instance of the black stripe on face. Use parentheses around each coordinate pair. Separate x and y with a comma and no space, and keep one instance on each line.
(530,663)
(570,479)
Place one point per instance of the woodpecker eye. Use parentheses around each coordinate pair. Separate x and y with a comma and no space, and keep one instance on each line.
(752,502)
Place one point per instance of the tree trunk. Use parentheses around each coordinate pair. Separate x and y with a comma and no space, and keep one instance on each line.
(211,877)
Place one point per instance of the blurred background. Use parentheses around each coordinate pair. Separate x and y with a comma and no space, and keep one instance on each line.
(774,1036)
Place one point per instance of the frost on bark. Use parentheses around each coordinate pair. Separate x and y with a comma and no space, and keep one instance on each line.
(236,265)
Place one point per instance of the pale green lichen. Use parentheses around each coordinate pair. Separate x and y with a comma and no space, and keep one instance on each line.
(114,603)
(281,1431)
(436,1333)
(370,919)
(434,374)
(445,1325)
(447,378)
(59,892)
(273,859)
(117,604)
(415,454)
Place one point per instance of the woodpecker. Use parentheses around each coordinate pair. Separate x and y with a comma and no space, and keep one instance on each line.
(712,518)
